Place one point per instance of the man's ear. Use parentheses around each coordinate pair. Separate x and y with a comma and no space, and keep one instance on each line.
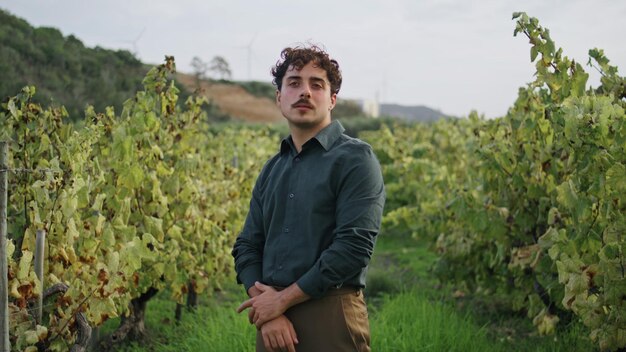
(277,96)
(333,100)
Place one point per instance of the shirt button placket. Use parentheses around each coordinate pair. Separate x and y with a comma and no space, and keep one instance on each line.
(291,195)
(289,212)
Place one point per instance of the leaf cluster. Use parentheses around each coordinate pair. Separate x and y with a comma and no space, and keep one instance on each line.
(142,200)
(528,208)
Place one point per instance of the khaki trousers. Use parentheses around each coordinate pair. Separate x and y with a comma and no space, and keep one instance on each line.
(336,322)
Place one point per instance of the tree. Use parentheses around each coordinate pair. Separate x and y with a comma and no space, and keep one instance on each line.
(220,66)
(199,69)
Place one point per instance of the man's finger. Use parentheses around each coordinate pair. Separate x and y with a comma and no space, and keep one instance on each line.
(288,341)
(281,342)
(258,321)
(255,319)
(244,305)
(261,287)
(251,315)
(292,331)
(273,343)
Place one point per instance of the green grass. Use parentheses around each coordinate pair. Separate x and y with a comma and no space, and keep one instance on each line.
(218,329)
(412,322)
(214,326)
(409,311)
(433,308)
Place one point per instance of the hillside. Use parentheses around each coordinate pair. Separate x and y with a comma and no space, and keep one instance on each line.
(411,113)
(64,71)
(67,73)
(234,100)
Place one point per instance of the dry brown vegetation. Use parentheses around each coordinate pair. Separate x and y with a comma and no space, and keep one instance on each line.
(234,101)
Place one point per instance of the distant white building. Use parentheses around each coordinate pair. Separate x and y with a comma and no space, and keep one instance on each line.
(370,107)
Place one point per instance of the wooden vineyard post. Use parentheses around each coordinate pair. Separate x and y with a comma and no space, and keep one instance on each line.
(39,255)
(5,345)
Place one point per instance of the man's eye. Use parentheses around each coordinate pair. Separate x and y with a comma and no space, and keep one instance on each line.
(293,84)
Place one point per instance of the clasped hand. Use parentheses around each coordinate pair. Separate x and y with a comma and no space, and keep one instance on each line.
(264,307)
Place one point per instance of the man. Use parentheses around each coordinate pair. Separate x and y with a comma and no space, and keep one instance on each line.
(315,212)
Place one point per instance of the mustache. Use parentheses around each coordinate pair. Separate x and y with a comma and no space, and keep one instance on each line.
(302,101)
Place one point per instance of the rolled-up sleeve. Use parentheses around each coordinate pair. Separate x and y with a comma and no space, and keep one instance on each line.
(359,208)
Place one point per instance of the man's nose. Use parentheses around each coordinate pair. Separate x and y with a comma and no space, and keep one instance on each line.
(306,92)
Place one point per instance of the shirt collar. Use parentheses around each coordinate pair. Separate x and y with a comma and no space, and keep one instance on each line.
(286,145)
(326,137)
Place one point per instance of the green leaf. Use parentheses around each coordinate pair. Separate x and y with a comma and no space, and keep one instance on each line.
(25,265)
(68,207)
(113,261)
(82,197)
(175,233)
(616,177)
(151,122)
(71,232)
(517,14)
(10,249)
(548,238)
(610,252)
(131,177)
(553,216)
(98,202)
(154,226)
(108,237)
(580,83)
(101,309)
(132,252)
(99,226)
(12,108)
(88,245)
(30,337)
(533,53)
(554,252)
(122,145)
(567,194)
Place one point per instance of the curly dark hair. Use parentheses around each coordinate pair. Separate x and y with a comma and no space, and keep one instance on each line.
(299,57)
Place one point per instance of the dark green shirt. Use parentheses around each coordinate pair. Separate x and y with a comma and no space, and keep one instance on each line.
(314,215)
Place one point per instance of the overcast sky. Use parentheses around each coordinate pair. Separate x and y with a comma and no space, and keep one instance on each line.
(451,55)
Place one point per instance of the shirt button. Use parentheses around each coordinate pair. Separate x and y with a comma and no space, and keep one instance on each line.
(291,195)
(280,267)
(286,229)
(297,159)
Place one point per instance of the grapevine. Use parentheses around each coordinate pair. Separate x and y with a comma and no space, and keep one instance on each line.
(133,204)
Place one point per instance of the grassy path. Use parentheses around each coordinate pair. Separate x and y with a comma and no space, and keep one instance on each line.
(418,313)
(409,311)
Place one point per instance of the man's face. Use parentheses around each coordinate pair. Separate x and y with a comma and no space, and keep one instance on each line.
(305,99)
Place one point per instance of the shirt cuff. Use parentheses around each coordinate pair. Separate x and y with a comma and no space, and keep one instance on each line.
(313,284)
(249,275)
